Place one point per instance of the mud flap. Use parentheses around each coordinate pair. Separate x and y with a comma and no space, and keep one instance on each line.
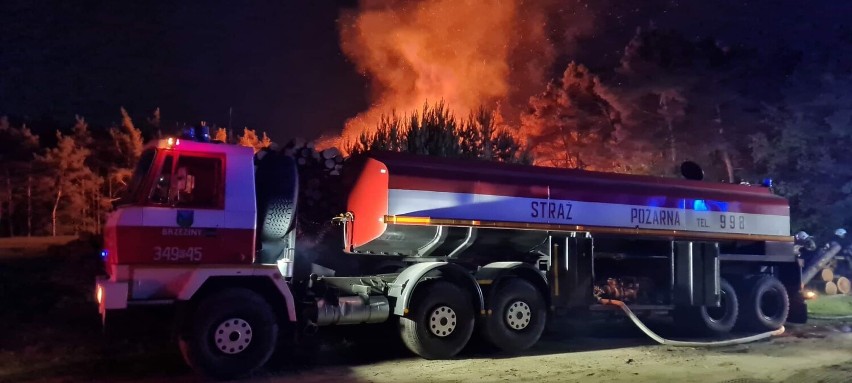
(798,309)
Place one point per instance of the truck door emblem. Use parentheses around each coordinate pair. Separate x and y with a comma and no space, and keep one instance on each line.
(184,218)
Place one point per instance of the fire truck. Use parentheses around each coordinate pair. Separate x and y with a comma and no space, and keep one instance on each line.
(446,249)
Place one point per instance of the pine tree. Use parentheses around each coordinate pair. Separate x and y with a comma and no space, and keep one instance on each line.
(435,131)
(221,135)
(251,140)
(575,124)
(17,146)
(126,148)
(154,122)
(698,99)
(68,181)
(806,151)
(482,136)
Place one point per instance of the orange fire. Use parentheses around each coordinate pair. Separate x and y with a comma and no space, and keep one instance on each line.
(465,52)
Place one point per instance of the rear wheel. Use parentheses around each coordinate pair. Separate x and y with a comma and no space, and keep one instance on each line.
(712,321)
(440,322)
(517,318)
(765,305)
(232,333)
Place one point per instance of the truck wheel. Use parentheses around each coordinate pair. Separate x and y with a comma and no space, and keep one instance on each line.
(517,318)
(232,333)
(765,305)
(440,321)
(711,321)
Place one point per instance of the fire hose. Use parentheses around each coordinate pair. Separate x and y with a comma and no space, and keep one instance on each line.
(678,343)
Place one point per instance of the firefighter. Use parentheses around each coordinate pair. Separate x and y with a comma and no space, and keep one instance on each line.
(806,247)
(844,257)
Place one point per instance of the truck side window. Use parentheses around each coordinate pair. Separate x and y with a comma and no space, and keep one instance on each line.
(197,182)
(162,184)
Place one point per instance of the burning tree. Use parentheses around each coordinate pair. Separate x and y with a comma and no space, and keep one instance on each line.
(250,139)
(435,131)
(574,123)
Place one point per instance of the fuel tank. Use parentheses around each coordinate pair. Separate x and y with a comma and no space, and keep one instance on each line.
(402,204)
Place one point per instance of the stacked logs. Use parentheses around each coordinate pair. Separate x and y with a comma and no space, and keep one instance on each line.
(833,284)
(320,187)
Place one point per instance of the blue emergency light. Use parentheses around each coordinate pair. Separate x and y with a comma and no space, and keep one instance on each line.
(188,133)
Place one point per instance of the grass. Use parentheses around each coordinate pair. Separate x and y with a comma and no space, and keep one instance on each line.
(51,327)
(24,246)
(833,305)
(34,242)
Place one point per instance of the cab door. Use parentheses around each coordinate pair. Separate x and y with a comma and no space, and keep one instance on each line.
(185,211)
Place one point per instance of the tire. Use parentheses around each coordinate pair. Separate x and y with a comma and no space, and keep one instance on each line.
(765,304)
(212,347)
(440,322)
(517,318)
(711,321)
(277,192)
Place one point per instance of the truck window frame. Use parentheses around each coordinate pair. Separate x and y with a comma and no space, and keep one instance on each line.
(176,156)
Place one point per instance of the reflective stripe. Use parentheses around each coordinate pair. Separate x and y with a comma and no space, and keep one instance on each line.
(150,216)
(446,205)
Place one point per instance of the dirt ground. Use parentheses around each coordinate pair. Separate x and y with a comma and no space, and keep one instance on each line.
(613,351)
(52,333)
(607,351)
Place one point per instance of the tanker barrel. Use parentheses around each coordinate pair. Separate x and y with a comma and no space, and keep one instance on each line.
(820,262)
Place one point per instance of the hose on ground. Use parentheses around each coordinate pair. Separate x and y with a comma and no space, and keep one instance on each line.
(678,343)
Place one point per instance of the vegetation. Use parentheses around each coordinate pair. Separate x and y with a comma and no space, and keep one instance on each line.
(66,184)
(828,306)
(436,131)
(743,115)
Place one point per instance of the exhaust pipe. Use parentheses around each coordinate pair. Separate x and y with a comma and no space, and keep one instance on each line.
(353,310)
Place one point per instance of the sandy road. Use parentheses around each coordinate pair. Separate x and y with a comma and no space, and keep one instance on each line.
(813,353)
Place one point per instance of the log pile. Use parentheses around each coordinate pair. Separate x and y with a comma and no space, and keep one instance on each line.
(832,284)
(321,194)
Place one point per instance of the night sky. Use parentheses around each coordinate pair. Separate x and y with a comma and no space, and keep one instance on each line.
(279,64)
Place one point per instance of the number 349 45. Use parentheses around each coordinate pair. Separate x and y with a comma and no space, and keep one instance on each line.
(175,254)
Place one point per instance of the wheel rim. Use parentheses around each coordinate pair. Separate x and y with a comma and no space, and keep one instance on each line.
(518,315)
(442,321)
(233,336)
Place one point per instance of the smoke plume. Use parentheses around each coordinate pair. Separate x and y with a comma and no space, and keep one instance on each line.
(466,52)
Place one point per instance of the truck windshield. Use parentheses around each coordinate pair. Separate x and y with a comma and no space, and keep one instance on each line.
(142,167)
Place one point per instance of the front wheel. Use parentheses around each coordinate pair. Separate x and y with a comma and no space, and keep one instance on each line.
(440,322)
(232,333)
(517,316)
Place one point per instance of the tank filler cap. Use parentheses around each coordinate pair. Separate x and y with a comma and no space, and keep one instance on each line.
(691,171)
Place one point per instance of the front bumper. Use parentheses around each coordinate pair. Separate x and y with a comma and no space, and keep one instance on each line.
(110,295)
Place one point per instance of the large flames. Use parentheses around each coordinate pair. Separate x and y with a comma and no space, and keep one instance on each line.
(465,52)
